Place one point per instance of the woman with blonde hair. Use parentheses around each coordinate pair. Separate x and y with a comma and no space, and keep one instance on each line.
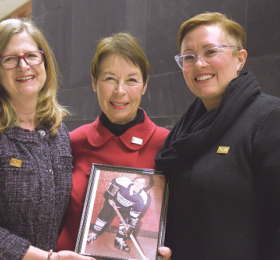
(35,161)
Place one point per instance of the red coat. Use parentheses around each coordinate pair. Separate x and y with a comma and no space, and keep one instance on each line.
(93,143)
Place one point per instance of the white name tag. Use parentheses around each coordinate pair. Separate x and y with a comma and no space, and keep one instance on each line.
(136,140)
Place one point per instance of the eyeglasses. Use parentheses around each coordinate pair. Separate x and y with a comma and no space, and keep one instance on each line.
(209,56)
(31,58)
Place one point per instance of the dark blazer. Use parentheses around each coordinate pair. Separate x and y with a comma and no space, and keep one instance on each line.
(34,196)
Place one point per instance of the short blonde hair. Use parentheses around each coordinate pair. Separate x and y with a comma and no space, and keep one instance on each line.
(127,46)
(49,113)
(234,31)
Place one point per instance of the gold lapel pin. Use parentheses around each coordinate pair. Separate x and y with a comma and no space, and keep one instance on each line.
(223,149)
(15,162)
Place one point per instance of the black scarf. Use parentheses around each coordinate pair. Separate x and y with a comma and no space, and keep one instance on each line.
(197,129)
(117,129)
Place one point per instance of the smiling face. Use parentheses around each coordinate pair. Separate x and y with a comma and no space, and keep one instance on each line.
(209,82)
(139,184)
(119,88)
(23,82)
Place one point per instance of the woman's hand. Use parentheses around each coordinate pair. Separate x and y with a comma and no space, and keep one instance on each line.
(165,252)
(69,255)
(34,253)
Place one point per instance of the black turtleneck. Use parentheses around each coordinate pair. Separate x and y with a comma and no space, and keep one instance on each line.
(117,129)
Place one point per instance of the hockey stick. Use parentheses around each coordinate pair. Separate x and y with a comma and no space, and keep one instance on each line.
(113,204)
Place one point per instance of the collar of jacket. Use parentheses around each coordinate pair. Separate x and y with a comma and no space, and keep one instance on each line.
(26,136)
(98,134)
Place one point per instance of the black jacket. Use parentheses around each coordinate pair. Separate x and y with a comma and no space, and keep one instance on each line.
(225,206)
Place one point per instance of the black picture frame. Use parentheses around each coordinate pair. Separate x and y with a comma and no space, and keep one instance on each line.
(149,231)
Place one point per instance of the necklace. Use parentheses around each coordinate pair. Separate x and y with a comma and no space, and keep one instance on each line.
(15,124)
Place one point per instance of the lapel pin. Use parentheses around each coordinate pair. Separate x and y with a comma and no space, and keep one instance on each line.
(42,133)
(15,162)
(136,140)
(223,149)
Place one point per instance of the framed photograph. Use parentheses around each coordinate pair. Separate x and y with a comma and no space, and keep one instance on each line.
(124,214)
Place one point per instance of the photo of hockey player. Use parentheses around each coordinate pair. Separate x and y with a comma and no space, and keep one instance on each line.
(125,219)
(130,199)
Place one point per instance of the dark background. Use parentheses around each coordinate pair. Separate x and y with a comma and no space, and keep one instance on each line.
(74,27)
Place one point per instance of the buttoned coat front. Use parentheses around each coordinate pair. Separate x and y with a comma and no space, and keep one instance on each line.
(94,143)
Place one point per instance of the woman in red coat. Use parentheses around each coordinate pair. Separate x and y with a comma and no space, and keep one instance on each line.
(122,135)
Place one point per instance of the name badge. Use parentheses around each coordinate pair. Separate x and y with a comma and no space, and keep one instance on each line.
(15,162)
(223,149)
(136,140)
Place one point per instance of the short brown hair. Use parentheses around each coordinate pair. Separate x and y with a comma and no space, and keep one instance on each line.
(124,44)
(234,31)
(48,111)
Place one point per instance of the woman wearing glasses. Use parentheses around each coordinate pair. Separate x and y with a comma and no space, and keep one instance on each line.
(222,156)
(122,135)
(35,161)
